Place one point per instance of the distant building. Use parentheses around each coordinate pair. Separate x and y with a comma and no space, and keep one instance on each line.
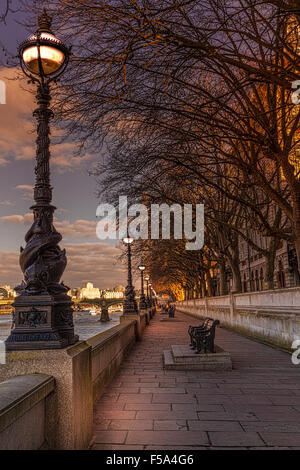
(7,293)
(89,292)
(119,289)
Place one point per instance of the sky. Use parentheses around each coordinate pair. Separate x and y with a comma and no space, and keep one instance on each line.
(74,190)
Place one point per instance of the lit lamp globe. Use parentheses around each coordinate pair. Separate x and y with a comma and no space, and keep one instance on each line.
(128,240)
(147,278)
(43,54)
(142,267)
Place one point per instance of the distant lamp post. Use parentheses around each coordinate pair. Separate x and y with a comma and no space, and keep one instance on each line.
(147,286)
(150,294)
(104,310)
(143,304)
(43,317)
(130,305)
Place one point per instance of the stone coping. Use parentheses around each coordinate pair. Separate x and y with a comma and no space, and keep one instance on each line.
(270,312)
(99,340)
(21,393)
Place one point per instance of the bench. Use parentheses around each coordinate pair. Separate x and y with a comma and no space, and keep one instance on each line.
(203,336)
(171,311)
(192,329)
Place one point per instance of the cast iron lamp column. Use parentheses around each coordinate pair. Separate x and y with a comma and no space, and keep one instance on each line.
(147,298)
(143,304)
(150,294)
(43,316)
(130,305)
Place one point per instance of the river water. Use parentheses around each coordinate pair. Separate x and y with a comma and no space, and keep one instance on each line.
(85,325)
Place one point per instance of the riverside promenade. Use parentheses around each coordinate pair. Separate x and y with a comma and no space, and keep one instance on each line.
(254,406)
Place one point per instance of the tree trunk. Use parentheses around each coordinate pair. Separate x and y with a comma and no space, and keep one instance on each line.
(270,264)
(223,286)
(209,284)
(237,280)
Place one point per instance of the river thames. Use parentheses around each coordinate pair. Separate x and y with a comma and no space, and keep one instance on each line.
(85,324)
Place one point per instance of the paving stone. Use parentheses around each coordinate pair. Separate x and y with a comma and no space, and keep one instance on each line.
(225,426)
(115,414)
(196,407)
(226,416)
(148,406)
(281,439)
(162,390)
(170,438)
(124,424)
(170,425)
(273,426)
(235,439)
(135,397)
(110,437)
(173,398)
(116,447)
(165,415)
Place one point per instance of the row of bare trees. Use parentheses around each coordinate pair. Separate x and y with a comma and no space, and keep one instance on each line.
(192,103)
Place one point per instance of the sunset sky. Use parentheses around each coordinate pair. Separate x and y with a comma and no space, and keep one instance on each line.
(74,190)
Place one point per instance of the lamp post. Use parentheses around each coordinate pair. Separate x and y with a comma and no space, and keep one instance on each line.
(150,294)
(43,315)
(143,304)
(130,305)
(147,285)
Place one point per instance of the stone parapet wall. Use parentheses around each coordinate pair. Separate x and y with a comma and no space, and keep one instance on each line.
(108,350)
(270,316)
(23,406)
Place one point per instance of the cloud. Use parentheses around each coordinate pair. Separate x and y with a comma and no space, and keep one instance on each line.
(79,229)
(27,191)
(18,127)
(18,219)
(6,203)
(95,262)
(10,272)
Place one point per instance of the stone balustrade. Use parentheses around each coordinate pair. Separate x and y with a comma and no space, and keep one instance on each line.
(272,316)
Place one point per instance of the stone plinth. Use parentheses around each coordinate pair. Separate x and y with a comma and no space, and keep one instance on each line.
(182,357)
(42,322)
(69,411)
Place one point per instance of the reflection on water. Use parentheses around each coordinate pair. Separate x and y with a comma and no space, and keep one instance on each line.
(85,325)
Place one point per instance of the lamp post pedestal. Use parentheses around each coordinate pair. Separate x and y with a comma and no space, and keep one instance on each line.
(42,322)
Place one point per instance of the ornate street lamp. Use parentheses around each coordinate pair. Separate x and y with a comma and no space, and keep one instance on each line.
(130,305)
(43,316)
(147,298)
(150,294)
(143,304)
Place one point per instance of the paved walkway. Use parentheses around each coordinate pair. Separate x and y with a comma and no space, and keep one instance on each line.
(257,405)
